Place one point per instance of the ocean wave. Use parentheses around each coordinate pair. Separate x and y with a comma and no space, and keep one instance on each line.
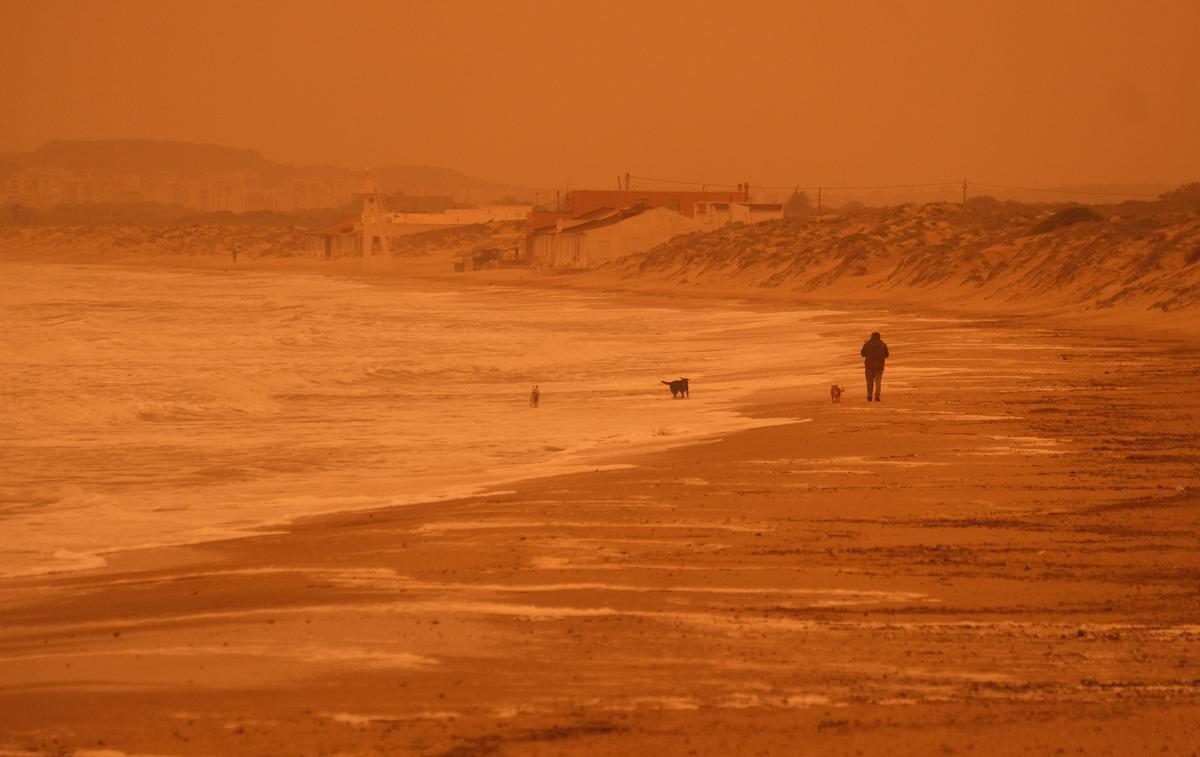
(156,407)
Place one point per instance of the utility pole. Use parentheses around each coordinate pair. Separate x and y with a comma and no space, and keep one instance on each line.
(818,199)
(964,191)
(626,181)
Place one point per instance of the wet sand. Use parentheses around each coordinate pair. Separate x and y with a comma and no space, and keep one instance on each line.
(1000,558)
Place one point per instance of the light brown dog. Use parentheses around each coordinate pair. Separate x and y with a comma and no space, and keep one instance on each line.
(835,393)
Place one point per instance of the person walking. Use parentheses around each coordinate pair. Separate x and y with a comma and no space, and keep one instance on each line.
(874,352)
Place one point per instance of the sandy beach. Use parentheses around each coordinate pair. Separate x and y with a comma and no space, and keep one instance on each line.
(466,379)
(999,558)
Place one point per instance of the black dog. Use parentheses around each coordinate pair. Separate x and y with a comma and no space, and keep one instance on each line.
(678,388)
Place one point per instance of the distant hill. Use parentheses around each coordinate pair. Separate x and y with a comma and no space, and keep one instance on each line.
(147,157)
(144,157)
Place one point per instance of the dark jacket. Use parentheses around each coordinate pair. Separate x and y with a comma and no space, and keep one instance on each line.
(875,351)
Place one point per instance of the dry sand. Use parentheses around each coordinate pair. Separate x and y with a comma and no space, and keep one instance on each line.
(1000,558)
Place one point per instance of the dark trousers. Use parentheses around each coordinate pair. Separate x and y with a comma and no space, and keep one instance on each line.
(874,380)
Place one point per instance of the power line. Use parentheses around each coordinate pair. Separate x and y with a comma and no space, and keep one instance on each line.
(956,182)
(881,187)
(801,188)
(1062,191)
(687,183)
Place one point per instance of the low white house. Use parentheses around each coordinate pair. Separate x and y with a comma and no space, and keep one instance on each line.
(604,235)
(714,215)
(346,238)
(461,216)
(342,239)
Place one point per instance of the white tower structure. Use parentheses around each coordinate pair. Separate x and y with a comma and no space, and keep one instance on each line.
(376,247)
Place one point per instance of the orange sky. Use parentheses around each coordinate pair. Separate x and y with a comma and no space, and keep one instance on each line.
(545,93)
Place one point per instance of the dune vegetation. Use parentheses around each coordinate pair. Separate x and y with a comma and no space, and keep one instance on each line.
(984,253)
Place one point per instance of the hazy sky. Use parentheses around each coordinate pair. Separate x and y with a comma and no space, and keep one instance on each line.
(542,93)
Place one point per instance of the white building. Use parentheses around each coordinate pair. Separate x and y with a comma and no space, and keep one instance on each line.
(462,216)
(715,215)
(604,235)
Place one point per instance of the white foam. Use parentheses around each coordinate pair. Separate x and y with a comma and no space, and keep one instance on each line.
(151,408)
(364,719)
(311,654)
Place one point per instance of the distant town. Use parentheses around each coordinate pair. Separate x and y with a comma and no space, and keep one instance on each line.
(213,179)
(358,212)
(583,229)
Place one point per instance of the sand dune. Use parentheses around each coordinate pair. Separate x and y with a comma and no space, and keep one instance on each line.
(1119,261)
(983,255)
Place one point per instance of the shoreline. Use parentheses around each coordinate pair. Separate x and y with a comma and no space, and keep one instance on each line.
(434,271)
(744,405)
(728,411)
(1006,542)
(1016,538)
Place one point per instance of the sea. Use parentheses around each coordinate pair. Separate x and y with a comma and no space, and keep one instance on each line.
(147,407)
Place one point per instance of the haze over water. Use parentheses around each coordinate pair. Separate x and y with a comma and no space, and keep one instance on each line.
(155,406)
